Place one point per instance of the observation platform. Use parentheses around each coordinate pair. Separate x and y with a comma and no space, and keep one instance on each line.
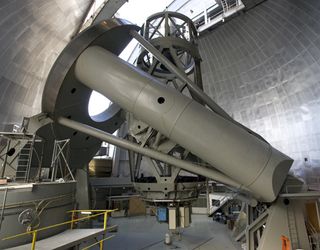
(64,240)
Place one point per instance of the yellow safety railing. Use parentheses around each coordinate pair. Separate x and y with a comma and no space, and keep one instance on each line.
(105,220)
(71,222)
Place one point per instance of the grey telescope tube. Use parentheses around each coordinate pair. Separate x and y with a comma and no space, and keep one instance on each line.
(228,147)
(184,78)
(114,140)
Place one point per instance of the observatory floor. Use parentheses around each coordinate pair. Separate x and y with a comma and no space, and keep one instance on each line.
(144,232)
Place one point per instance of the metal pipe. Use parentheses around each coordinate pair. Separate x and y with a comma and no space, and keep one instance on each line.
(207,196)
(30,158)
(3,206)
(3,170)
(245,198)
(34,239)
(40,162)
(53,165)
(200,170)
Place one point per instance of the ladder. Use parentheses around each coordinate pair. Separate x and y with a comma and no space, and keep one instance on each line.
(292,228)
(24,162)
(225,5)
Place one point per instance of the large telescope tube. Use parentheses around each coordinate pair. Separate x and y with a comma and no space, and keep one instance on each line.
(227,147)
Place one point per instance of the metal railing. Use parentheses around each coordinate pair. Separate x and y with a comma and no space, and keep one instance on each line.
(72,222)
(60,160)
(297,188)
(92,13)
(216,13)
(221,203)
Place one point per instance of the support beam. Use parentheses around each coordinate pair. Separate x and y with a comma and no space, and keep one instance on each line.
(3,170)
(193,168)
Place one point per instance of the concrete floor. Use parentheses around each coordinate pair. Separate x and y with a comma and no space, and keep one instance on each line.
(144,232)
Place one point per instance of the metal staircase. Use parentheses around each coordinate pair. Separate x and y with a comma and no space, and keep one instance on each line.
(223,201)
(314,237)
(292,228)
(24,162)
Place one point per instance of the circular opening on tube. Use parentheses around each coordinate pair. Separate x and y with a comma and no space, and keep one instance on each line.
(97,107)
(161,100)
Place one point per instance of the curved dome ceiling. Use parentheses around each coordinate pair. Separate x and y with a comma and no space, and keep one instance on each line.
(263,67)
(33,33)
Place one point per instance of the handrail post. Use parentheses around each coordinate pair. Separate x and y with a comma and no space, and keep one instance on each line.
(72,218)
(34,239)
(105,220)
(5,160)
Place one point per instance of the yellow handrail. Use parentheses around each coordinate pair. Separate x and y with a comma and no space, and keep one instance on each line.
(35,232)
(105,220)
(98,242)
(51,226)
(88,210)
